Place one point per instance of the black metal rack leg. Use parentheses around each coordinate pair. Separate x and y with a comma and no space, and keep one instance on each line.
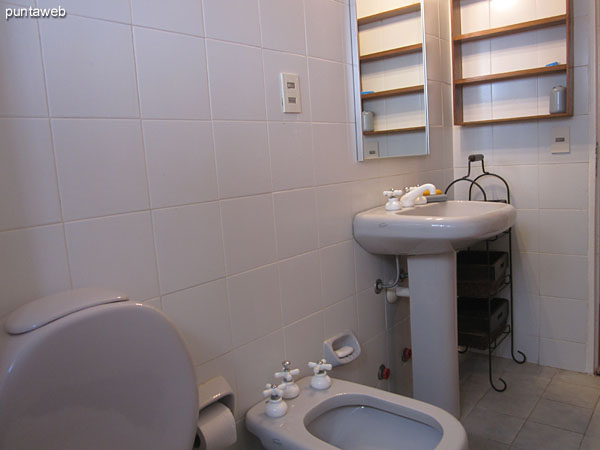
(512,328)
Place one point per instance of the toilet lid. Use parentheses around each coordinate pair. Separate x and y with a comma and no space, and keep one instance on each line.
(44,310)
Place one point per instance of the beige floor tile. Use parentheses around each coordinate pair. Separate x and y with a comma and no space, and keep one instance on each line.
(506,403)
(593,428)
(528,369)
(535,436)
(561,415)
(590,443)
(469,397)
(492,425)
(573,394)
(582,379)
(478,443)
(518,384)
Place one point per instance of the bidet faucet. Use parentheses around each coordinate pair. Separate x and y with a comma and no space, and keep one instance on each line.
(409,199)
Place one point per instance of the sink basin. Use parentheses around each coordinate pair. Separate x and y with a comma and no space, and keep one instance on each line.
(430,235)
(431,228)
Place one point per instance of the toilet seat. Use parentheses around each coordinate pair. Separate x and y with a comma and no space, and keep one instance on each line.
(292,430)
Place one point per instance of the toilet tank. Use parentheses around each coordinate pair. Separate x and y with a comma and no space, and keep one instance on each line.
(88,369)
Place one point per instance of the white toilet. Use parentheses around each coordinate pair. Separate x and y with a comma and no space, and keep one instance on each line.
(352,416)
(87,369)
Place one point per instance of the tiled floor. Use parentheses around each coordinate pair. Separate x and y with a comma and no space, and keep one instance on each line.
(542,408)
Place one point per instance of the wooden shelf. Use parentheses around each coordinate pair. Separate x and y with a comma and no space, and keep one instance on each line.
(389,14)
(394,92)
(514,119)
(415,48)
(394,130)
(459,82)
(511,29)
(511,75)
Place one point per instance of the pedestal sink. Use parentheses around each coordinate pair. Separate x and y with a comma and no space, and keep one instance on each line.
(430,235)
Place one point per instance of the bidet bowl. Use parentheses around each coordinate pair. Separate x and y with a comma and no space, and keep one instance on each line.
(353,416)
(431,228)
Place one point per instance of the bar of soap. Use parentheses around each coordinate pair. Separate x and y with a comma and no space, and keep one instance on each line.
(436,198)
(344,351)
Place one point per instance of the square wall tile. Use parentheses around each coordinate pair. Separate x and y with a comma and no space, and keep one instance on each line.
(337,272)
(27,175)
(254,304)
(563,354)
(33,264)
(474,16)
(580,136)
(371,314)
(477,102)
(100,165)
(573,175)
(334,158)
(22,91)
(527,230)
(201,314)
(327,90)
(189,245)
(341,317)
(564,231)
(172,78)
(284,35)
(514,52)
(300,295)
(335,214)
(183,16)
(515,143)
(514,98)
(235,94)
(242,152)
(504,13)
(476,58)
(114,10)
(232,20)
(563,319)
(180,162)
(326,23)
(248,232)
(291,152)
(564,276)
(549,8)
(295,222)
(116,252)
(276,63)
(304,342)
(74,48)
(257,361)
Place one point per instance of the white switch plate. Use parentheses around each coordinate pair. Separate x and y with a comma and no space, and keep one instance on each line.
(290,93)
(370,149)
(560,140)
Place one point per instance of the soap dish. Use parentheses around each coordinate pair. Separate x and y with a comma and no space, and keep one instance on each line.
(341,349)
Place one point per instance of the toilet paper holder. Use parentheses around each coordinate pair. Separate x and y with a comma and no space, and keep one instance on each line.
(215,390)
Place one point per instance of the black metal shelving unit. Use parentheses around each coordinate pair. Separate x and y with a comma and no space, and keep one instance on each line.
(493,338)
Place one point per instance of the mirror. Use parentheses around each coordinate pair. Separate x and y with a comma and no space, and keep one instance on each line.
(390,78)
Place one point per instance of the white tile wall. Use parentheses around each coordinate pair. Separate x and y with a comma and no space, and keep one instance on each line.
(553,192)
(73,57)
(171,75)
(100,166)
(27,155)
(213,144)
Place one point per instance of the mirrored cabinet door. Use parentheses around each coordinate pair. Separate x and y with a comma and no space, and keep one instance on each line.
(390,78)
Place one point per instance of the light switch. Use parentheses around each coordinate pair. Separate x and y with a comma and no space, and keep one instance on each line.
(290,93)
(370,149)
(560,140)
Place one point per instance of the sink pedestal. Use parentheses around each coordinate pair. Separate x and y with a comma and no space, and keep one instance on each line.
(434,336)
